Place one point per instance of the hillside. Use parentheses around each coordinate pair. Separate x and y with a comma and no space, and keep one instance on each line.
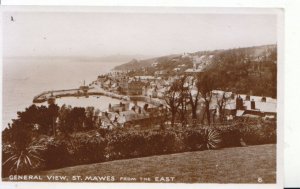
(229,165)
(254,54)
(249,70)
(138,64)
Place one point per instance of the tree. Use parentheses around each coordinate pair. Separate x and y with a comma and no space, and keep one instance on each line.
(53,114)
(220,83)
(221,103)
(172,99)
(183,96)
(193,100)
(71,119)
(21,153)
(177,100)
(162,116)
(39,115)
(64,113)
(205,84)
(76,118)
(89,119)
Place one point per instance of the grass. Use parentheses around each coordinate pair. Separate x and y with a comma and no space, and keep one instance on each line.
(228,165)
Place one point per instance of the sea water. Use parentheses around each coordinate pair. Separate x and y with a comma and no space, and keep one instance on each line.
(23,78)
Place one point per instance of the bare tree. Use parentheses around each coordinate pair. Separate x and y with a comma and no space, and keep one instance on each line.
(221,103)
(205,84)
(193,101)
(172,99)
(183,97)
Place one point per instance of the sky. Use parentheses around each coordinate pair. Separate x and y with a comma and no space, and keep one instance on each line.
(98,34)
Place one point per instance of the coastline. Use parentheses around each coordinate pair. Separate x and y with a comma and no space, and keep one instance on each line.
(92,91)
(24,78)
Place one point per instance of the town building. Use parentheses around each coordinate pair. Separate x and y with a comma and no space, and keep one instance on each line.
(240,105)
(135,87)
(123,106)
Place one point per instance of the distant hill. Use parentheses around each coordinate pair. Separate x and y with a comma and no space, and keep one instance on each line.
(248,70)
(138,64)
(121,58)
(246,53)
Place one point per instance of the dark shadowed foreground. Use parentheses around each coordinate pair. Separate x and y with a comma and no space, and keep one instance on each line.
(253,164)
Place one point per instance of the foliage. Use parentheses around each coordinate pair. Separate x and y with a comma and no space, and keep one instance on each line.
(125,144)
(192,139)
(74,150)
(20,159)
(161,142)
(173,98)
(40,115)
(231,136)
(212,139)
(262,133)
(25,149)
(57,154)
(242,73)
(206,83)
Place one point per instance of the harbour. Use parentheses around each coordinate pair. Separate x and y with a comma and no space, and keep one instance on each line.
(25,78)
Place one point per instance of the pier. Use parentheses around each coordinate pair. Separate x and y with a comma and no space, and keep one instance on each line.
(81,91)
(93,91)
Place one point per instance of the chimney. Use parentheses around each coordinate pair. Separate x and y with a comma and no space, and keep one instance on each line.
(248,97)
(232,96)
(239,103)
(252,104)
(109,107)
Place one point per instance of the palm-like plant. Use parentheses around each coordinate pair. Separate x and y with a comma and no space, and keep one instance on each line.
(212,139)
(23,159)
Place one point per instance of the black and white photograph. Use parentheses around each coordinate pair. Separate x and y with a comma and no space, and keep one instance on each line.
(140,95)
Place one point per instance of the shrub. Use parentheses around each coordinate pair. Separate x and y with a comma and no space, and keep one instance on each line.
(155,143)
(22,160)
(21,154)
(192,139)
(102,145)
(125,145)
(135,145)
(171,142)
(57,155)
(212,139)
(263,133)
(231,136)
(88,148)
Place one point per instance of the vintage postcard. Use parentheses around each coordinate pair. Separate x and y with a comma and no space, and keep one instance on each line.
(141,95)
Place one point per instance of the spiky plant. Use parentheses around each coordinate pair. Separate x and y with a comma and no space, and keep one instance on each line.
(212,139)
(21,160)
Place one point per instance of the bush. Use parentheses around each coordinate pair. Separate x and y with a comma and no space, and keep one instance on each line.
(21,161)
(88,148)
(21,158)
(171,142)
(231,137)
(192,139)
(252,133)
(154,143)
(125,145)
(103,145)
(263,133)
(57,155)
(212,139)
